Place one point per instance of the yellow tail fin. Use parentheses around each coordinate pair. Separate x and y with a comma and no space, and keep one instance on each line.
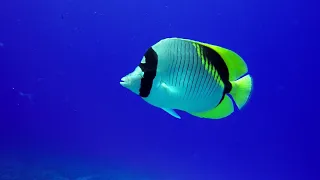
(241,90)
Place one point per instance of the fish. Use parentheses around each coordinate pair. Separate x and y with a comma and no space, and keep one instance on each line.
(204,80)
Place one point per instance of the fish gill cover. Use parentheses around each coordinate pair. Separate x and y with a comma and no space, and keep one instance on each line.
(64,115)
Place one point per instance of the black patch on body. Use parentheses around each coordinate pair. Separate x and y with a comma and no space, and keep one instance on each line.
(217,61)
(150,70)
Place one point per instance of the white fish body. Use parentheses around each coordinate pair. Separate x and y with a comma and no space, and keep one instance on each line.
(189,76)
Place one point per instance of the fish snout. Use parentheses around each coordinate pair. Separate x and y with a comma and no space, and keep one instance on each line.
(125,82)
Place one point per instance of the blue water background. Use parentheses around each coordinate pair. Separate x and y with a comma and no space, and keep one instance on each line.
(63,110)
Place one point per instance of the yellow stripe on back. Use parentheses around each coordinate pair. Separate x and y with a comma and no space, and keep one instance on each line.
(205,62)
(203,59)
(236,65)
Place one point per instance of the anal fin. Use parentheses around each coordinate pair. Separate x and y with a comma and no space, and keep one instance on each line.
(171,112)
(224,109)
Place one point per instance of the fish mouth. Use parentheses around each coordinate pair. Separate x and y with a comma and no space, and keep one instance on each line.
(124,81)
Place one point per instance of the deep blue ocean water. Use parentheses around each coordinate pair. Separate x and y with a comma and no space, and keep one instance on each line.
(64,115)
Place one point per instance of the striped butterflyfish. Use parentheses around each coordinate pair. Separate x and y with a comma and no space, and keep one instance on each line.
(204,80)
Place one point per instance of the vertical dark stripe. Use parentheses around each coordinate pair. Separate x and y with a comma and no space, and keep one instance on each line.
(216,86)
(200,78)
(197,75)
(215,80)
(221,68)
(170,68)
(207,82)
(182,62)
(187,78)
(186,67)
(171,57)
(150,70)
(176,61)
(193,71)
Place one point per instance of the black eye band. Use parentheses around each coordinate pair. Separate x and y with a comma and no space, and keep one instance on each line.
(150,70)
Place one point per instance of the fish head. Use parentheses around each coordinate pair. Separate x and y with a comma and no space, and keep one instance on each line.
(132,81)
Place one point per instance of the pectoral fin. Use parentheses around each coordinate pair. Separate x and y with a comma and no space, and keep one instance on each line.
(171,112)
